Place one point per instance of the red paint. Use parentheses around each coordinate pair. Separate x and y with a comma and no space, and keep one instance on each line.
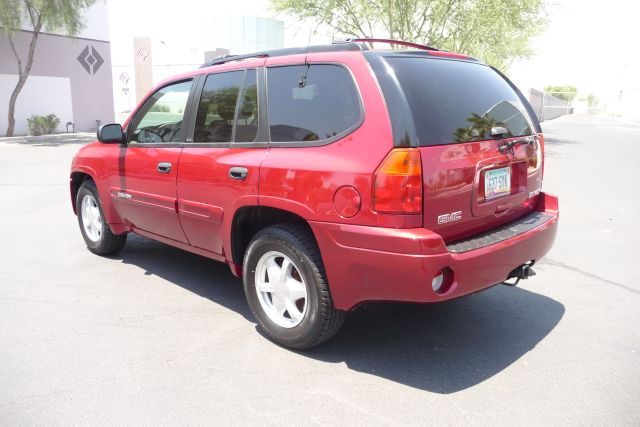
(368,255)
(453,178)
(204,186)
(347,201)
(372,263)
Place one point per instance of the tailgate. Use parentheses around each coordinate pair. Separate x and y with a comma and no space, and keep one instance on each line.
(480,143)
(472,187)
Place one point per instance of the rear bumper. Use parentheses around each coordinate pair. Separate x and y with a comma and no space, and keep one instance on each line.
(384,264)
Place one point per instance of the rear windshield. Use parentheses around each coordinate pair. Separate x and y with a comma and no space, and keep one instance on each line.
(456,101)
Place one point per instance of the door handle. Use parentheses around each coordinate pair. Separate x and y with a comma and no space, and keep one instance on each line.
(164,167)
(238,172)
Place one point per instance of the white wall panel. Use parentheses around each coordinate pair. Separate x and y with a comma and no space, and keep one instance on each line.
(41,96)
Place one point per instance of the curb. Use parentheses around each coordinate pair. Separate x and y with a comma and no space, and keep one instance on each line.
(50,137)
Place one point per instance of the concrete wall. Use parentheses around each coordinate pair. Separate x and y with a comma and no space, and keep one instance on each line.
(85,63)
(547,106)
(142,60)
(554,107)
(536,101)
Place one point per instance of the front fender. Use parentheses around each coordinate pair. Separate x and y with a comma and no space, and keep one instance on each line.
(77,175)
(99,162)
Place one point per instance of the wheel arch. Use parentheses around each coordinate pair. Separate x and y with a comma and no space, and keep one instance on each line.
(249,220)
(76,179)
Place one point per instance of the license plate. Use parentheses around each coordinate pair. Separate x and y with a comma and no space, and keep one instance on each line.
(497,183)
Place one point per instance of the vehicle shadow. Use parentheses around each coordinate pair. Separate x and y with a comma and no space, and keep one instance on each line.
(441,348)
(446,347)
(202,276)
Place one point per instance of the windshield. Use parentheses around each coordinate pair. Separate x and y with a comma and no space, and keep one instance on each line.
(457,101)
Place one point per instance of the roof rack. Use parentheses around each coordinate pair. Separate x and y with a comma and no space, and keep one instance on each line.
(389,41)
(228,58)
(351,44)
(335,47)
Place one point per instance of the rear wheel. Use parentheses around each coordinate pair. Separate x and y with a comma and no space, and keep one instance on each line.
(95,230)
(286,287)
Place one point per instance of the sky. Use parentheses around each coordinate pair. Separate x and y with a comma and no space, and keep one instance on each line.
(589,44)
(592,45)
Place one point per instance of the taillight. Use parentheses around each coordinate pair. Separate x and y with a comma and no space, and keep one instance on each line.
(397,184)
(535,161)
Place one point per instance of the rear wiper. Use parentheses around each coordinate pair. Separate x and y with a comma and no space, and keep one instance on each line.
(508,147)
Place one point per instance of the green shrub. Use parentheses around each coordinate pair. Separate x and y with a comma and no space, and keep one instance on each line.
(43,125)
(160,108)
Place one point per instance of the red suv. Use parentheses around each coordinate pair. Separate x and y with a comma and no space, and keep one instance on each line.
(327,177)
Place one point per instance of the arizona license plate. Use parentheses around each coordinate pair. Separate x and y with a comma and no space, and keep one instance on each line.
(497,182)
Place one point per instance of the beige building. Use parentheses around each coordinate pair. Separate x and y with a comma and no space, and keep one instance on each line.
(70,77)
(144,60)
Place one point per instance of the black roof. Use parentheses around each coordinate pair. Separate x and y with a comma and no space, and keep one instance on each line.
(338,46)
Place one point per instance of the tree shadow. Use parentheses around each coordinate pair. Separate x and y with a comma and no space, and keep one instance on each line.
(559,141)
(441,348)
(551,143)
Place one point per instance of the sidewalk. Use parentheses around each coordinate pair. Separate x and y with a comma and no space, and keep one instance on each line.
(51,140)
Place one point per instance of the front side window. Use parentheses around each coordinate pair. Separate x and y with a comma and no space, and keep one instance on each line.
(218,119)
(161,117)
(311,102)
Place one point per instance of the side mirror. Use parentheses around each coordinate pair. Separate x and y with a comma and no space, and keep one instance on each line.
(111,133)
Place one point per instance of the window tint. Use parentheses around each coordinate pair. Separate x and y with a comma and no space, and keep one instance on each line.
(455,101)
(160,118)
(323,107)
(247,119)
(217,116)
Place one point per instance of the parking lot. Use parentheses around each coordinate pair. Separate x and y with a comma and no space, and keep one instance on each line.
(160,336)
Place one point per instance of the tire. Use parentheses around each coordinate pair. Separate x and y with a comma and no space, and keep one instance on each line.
(304,325)
(97,235)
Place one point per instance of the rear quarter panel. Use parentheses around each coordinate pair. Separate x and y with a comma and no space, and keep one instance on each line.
(304,180)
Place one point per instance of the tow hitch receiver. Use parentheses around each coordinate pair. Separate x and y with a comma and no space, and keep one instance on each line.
(519,273)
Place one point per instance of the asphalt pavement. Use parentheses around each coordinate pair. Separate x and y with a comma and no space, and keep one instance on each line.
(160,336)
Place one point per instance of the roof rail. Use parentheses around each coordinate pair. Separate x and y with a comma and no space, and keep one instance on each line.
(389,41)
(228,58)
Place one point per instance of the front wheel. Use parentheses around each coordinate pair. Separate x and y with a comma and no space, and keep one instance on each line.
(286,287)
(95,230)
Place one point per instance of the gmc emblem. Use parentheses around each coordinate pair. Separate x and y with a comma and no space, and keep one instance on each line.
(453,216)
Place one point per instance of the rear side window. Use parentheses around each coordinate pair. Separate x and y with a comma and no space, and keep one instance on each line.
(456,101)
(311,103)
(218,119)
